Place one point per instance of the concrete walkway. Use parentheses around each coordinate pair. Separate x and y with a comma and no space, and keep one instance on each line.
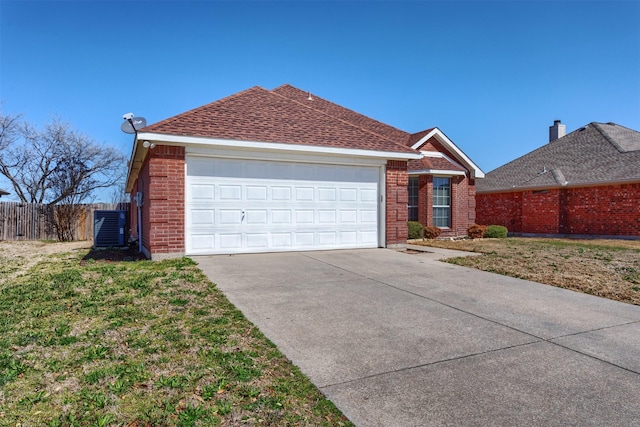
(399,339)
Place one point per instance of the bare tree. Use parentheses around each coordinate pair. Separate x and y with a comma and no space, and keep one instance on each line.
(56,165)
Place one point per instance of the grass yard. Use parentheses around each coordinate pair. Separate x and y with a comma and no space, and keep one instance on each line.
(606,268)
(88,341)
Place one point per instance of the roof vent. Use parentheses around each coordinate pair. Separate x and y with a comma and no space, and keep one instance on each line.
(558,130)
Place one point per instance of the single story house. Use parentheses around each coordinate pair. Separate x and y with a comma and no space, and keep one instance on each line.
(583,183)
(283,170)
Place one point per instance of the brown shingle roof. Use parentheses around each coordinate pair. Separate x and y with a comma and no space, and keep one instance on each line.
(342,113)
(598,153)
(282,116)
(433,163)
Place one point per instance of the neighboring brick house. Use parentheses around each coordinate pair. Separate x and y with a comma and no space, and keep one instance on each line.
(281,170)
(583,183)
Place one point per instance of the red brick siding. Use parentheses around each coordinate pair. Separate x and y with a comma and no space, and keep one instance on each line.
(603,210)
(425,197)
(162,181)
(397,196)
(166,199)
(500,209)
(463,204)
(542,211)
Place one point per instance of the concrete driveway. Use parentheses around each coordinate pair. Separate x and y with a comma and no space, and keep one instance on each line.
(399,339)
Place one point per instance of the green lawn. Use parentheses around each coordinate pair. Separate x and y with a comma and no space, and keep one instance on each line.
(86,342)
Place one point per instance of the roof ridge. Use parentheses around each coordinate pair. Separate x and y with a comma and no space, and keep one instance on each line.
(202,107)
(607,136)
(340,119)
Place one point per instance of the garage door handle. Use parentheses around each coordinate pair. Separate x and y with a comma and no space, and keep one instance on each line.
(242,218)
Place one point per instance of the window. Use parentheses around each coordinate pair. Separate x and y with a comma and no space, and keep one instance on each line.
(442,202)
(413,198)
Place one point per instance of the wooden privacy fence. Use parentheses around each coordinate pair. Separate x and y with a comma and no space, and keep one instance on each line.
(32,221)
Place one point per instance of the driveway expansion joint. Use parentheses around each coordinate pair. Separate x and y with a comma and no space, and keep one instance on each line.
(537,338)
(437,362)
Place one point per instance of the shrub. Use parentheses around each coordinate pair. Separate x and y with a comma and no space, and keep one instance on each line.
(496,231)
(476,231)
(432,232)
(416,231)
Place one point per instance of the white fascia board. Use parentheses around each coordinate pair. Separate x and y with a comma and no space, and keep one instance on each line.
(476,172)
(273,146)
(442,172)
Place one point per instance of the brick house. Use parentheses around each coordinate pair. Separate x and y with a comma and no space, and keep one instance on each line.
(282,169)
(583,183)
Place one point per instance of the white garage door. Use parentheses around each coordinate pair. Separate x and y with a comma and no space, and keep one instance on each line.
(239,206)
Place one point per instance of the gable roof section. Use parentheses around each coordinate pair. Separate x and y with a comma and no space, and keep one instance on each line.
(598,153)
(419,139)
(260,115)
(3,193)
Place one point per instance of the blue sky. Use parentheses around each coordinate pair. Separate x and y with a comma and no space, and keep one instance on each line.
(492,75)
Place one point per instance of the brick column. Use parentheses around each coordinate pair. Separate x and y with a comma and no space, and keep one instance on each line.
(397,180)
(165,202)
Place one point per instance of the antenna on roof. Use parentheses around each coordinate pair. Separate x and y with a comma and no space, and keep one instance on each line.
(309,96)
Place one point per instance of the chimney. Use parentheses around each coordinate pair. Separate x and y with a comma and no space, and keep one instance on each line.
(558,130)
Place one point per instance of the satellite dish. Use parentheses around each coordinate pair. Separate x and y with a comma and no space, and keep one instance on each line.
(132,125)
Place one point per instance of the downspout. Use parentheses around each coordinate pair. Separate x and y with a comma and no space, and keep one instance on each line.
(139,223)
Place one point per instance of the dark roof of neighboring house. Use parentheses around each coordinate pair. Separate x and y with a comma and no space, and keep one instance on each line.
(284,115)
(3,193)
(598,153)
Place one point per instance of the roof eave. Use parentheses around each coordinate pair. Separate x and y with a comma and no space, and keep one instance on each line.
(443,172)
(558,187)
(137,155)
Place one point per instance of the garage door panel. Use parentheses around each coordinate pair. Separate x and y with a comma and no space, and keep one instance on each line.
(256,192)
(255,216)
(257,240)
(304,194)
(281,193)
(348,216)
(304,216)
(203,192)
(281,216)
(327,216)
(230,216)
(348,194)
(327,238)
(368,195)
(369,237)
(327,195)
(281,240)
(202,217)
(348,237)
(230,241)
(235,206)
(369,217)
(304,239)
(230,192)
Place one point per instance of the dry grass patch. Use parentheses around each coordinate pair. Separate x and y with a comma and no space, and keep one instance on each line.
(606,268)
(88,340)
